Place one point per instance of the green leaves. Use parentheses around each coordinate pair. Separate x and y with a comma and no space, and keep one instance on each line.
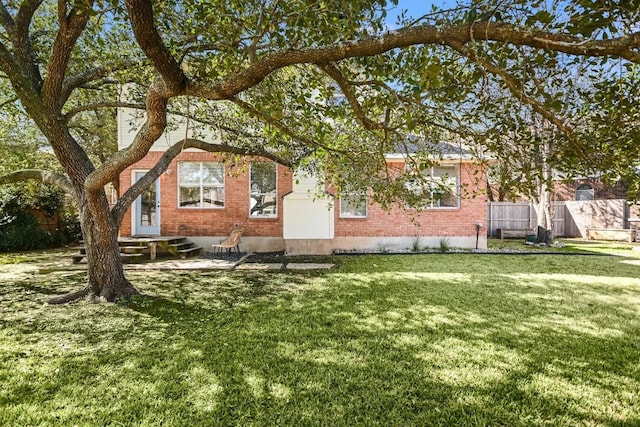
(346,124)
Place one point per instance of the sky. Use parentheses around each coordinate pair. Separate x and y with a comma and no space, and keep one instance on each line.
(418,8)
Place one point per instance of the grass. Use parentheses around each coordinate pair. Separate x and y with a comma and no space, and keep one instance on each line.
(579,246)
(455,339)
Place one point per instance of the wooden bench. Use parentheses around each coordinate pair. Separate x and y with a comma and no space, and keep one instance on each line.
(617,234)
(513,233)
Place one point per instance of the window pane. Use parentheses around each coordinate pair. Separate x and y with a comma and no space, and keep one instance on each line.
(212,173)
(263,205)
(584,192)
(440,188)
(213,197)
(444,172)
(262,198)
(263,177)
(446,198)
(190,197)
(189,173)
(353,205)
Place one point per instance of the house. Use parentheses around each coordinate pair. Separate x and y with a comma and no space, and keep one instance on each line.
(201,197)
(588,189)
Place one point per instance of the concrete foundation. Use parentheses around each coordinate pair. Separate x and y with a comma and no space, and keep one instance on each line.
(345,244)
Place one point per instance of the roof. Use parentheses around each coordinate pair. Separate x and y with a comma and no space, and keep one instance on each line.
(444,150)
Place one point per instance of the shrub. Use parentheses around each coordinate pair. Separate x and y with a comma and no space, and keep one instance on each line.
(20,230)
(72,232)
(415,244)
(445,245)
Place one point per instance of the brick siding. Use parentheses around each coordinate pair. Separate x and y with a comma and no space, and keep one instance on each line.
(218,222)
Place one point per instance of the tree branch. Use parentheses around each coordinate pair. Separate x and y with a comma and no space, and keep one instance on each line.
(515,87)
(333,72)
(284,129)
(6,20)
(22,42)
(151,130)
(175,83)
(46,177)
(263,22)
(419,35)
(23,86)
(19,65)
(98,105)
(79,80)
(71,27)
(151,43)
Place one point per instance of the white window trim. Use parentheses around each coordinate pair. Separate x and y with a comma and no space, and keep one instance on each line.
(366,208)
(270,216)
(191,185)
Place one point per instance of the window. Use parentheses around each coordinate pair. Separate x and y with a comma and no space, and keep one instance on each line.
(444,188)
(201,185)
(263,200)
(439,185)
(353,205)
(584,192)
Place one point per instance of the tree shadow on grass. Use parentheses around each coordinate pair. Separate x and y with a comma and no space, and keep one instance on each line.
(35,289)
(343,359)
(335,349)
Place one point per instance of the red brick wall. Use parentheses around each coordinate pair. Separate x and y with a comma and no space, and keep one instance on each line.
(431,222)
(218,222)
(175,221)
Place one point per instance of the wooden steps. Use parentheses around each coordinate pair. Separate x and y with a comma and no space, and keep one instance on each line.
(184,248)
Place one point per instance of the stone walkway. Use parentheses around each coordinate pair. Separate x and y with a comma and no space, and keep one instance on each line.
(188,264)
(286,266)
(223,264)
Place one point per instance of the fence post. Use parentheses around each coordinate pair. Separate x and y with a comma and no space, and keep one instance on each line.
(490,221)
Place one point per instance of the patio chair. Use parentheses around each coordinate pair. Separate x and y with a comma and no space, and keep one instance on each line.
(233,241)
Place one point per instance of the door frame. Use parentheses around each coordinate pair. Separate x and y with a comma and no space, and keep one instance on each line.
(134,206)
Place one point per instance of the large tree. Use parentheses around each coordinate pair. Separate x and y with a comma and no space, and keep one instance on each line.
(302,82)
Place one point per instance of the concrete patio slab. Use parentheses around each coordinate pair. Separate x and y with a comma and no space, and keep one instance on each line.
(260,266)
(308,266)
(184,264)
(202,264)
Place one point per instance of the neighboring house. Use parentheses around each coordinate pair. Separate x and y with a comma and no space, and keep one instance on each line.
(589,203)
(588,189)
(203,198)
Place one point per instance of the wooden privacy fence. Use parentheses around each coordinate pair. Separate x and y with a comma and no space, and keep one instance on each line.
(570,218)
(522,215)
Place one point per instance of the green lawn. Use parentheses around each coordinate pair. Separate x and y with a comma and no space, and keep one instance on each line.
(390,340)
(570,246)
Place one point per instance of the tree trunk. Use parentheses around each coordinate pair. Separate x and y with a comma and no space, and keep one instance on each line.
(105,274)
(543,212)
